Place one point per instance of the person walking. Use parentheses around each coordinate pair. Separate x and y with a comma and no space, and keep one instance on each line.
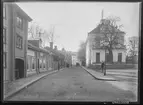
(102,66)
(58,66)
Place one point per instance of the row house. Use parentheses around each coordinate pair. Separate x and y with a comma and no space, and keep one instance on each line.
(21,56)
(57,56)
(15,30)
(38,59)
(68,56)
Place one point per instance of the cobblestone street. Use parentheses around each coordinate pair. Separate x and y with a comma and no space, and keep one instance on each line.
(73,84)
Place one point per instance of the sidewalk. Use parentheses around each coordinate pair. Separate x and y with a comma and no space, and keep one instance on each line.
(98,75)
(17,85)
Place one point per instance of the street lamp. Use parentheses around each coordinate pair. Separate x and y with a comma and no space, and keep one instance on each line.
(105,46)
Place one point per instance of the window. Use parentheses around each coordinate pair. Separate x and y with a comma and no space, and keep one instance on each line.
(40,63)
(19,41)
(4,59)
(4,11)
(19,22)
(119,57)
(33,66)
(33,63)
(4,35)
(27,65)
(44,64)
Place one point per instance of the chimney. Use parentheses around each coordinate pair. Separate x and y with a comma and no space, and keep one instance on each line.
(51,45)
(55,48)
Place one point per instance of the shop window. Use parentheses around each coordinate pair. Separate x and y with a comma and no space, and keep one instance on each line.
(44,65)
(33,63)
(33,66)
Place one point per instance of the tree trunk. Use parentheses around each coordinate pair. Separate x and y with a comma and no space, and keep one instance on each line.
(110,56)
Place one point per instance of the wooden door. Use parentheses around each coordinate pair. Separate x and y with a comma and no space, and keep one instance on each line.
(97,57)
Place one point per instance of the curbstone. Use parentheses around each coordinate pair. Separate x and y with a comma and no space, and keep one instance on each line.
(98,77)
(27,84)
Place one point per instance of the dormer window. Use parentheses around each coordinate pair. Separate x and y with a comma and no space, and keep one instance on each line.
(19,21)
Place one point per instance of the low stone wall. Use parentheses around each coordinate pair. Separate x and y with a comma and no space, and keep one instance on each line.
(115,66)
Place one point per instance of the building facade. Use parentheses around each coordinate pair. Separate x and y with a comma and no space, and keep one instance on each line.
(75,58)
(134,43)
(38,59)
(95,53)
(5,43)
(15,32)
(21,56)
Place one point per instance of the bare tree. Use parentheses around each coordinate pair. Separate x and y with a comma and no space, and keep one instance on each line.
(52,34)
(133,45)
(34,30)
(81,52)
(111,37)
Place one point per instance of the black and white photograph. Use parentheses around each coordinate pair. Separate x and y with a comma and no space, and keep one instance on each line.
(71,51)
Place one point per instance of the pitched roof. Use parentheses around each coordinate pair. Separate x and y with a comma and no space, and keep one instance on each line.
(21,11)
(55,52)
(34,42)
(31,46)
(97,30)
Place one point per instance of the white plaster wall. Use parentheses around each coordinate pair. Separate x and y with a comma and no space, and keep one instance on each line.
(102,55)
(87,54)
(115,55)
(93,55)
(30,52)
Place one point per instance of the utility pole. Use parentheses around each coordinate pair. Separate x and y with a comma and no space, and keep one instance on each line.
(102,13)
(105,62)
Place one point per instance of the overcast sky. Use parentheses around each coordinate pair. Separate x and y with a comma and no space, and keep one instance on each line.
(73,20)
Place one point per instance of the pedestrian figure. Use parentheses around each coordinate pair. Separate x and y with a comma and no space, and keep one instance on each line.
(58,66)
(102,66)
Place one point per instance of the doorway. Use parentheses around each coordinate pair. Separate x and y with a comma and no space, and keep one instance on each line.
(19,68)
(97,57)
(107,57)
(120,57)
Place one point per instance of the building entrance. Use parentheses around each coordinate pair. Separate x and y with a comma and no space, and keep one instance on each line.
(19,68)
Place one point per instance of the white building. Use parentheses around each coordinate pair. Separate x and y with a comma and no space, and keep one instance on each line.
(75,59)
(95,54)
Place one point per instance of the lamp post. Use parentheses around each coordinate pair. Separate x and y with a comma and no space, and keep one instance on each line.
(105,46)
(105,62)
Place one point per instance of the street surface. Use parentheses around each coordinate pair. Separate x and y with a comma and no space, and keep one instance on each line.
(73,84)
(128,79)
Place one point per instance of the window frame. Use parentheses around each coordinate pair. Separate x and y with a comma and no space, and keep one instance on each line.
(4,11)
(4,35)
(19,21)
(33,63)
(19,42)
(120,54)
(5,60)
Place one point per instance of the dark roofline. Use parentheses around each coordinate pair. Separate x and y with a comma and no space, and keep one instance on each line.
(30,46)
(98,30)
(23,13)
